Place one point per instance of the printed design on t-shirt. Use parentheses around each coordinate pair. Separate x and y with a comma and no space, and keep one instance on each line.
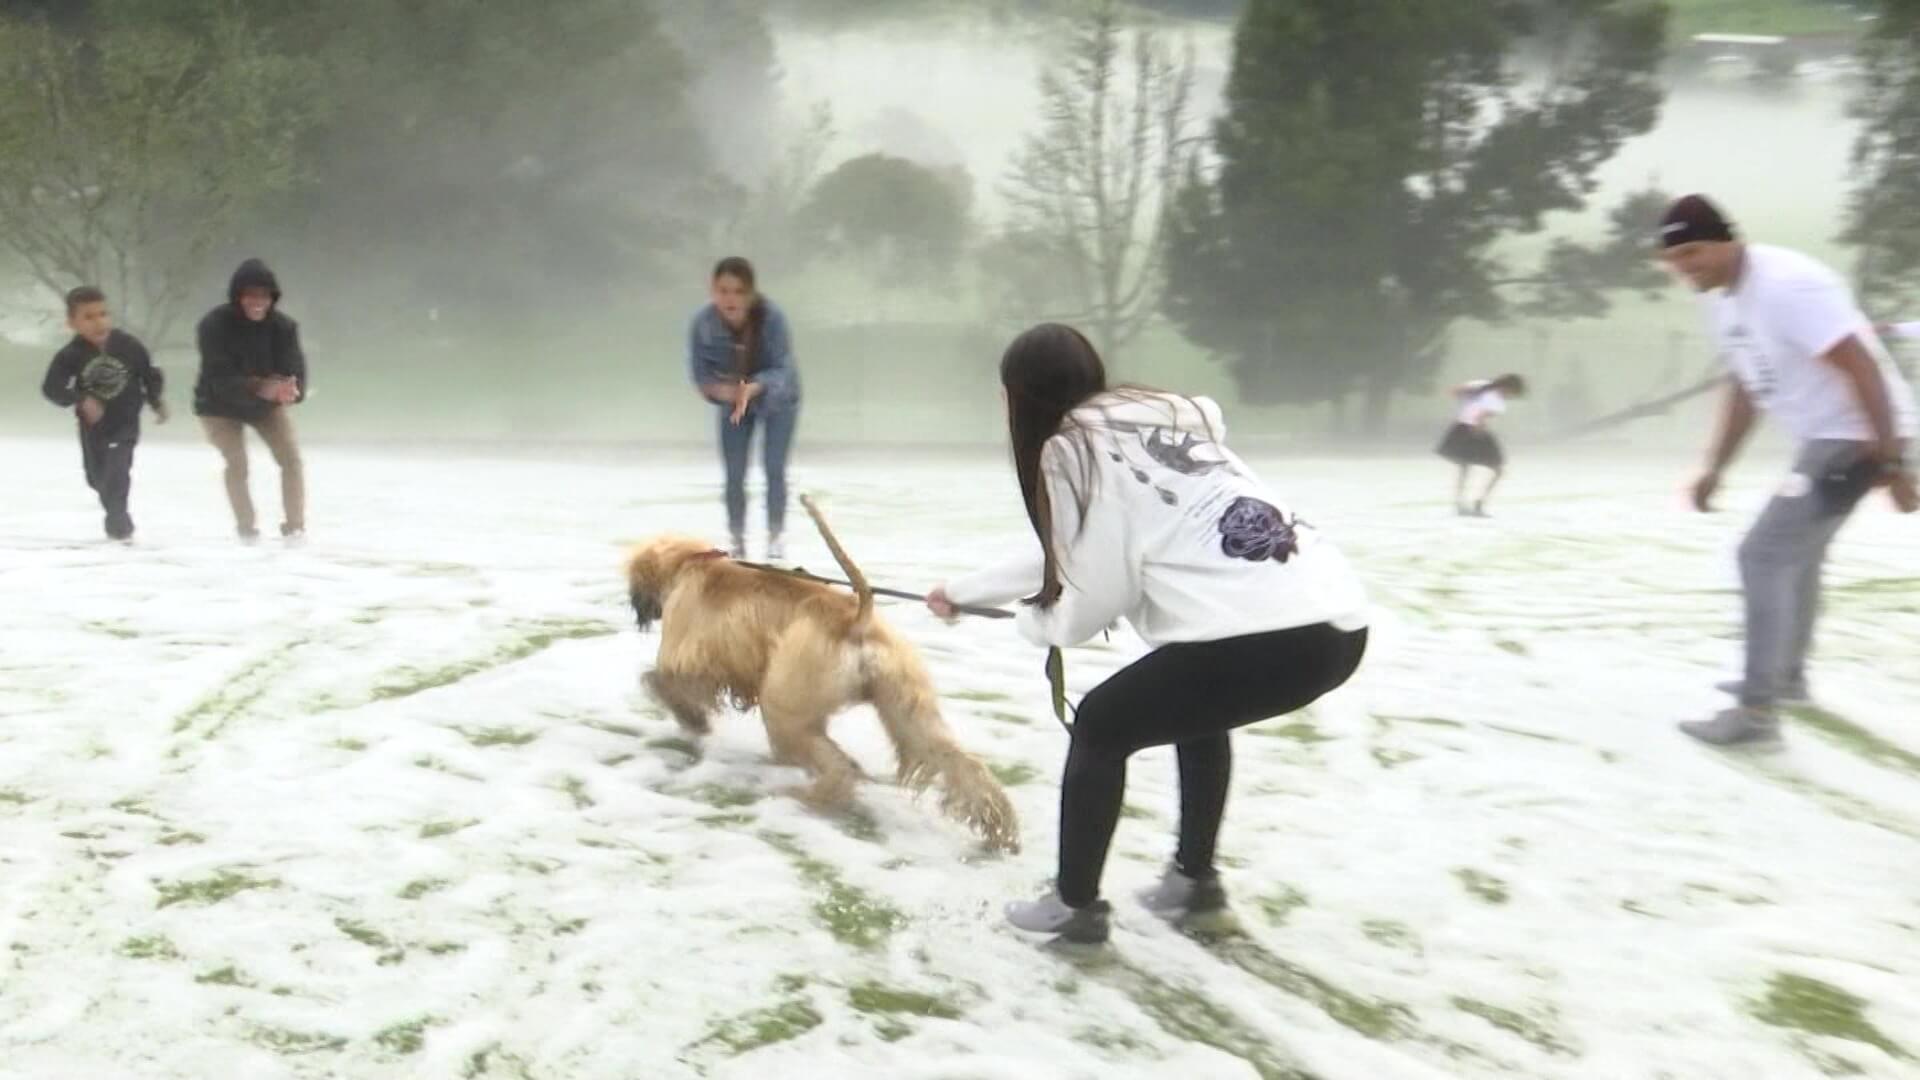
(104,377)
(1751,365)
(1175,451)
(1179,455)
(1255,530)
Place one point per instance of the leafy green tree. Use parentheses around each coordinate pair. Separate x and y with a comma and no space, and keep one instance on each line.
(1883,217)
(1090,192)
(907,222)
(1373,155)
(131,152)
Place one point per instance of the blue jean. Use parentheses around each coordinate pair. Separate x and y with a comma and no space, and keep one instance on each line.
(736,443)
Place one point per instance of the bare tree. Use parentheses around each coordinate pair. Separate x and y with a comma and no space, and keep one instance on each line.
(128,156)
(1089,192)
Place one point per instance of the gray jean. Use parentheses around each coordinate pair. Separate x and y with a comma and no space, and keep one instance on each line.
(1780,563)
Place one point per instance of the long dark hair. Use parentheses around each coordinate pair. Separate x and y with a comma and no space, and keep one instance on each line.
(1048,372)
(747,338)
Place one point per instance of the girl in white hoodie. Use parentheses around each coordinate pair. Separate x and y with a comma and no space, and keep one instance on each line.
(1142,513)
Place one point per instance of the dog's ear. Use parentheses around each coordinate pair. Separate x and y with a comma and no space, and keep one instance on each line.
(644,587)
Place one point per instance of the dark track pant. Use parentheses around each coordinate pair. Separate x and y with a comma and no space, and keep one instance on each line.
(1191,696)
(109,468)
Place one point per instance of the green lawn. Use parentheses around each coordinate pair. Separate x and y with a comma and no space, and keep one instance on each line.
(1786,17)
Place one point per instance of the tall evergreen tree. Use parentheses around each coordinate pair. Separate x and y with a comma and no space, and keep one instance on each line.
(1372,155)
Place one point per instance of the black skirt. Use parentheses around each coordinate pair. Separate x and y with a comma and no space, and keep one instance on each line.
(1465,444)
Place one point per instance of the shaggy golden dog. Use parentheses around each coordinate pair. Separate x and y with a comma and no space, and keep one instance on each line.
(802,651)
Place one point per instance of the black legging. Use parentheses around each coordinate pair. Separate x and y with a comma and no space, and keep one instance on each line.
(1190,695)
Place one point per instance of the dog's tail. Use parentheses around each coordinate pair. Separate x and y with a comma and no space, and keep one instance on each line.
(861,590)
(929,757)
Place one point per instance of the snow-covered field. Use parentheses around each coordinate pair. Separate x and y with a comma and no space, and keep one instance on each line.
(390,805)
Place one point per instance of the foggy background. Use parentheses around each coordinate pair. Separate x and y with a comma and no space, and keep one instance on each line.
(495,225)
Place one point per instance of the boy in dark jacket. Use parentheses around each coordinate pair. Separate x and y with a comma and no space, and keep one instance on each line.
(105,376)
(251,371)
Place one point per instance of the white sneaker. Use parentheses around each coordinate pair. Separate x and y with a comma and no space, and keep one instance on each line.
(1051,915)
(776,548)
(737,549)
(1739,726)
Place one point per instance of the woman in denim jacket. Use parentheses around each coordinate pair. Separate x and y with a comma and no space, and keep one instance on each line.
(740,355)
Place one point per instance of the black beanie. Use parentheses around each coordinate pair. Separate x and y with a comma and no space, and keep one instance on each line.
(1693,218)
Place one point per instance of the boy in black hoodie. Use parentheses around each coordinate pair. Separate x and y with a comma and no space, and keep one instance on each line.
(105,376)
(251,371)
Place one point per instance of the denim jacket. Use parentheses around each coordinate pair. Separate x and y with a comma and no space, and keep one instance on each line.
(710,357)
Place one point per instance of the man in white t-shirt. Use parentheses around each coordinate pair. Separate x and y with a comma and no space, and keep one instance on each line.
(1797,347)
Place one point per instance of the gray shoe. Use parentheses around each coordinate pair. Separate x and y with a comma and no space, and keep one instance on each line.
(1795,693)
(1178,895)
(1738,726)
(738,549)
(1051,915)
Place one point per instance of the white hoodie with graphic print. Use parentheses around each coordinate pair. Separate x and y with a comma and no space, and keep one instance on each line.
(1180,537)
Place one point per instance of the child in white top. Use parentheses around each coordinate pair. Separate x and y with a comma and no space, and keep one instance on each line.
(1470,441)
(1141,513)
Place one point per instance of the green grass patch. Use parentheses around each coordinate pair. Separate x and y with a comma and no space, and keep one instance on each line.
(390,953)
(1278,906)
(173,838)
(414,890)
(293,1043)
(1014,718)
(1799,1003)
(1512,647)
(226,976)
(533,639)
(435,829)
(576,790)
(1533,1031)
(722,797)
(1014,773)
(1388,757)
(874,998)
(733,820)
(446,948)
(13,797)
(1376,1019)
(1483,885)
(1786,18)
(1187,1014)
(1534,735)
(762,1027)
(1392,934)
(978,697)
(612,728)
(1299,731)
(1857,739)
(354,745)
(155,947)
(404,1038)
(848,913)
(430,762)
(241,693)
(499,736)
(202,892)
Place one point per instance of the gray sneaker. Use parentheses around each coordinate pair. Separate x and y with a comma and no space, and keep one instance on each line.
(1051,915)
(1178,895)
(1793,693)
(1738,726)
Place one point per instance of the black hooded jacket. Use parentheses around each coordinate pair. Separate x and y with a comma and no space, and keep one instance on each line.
(121,377)
(236,352)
